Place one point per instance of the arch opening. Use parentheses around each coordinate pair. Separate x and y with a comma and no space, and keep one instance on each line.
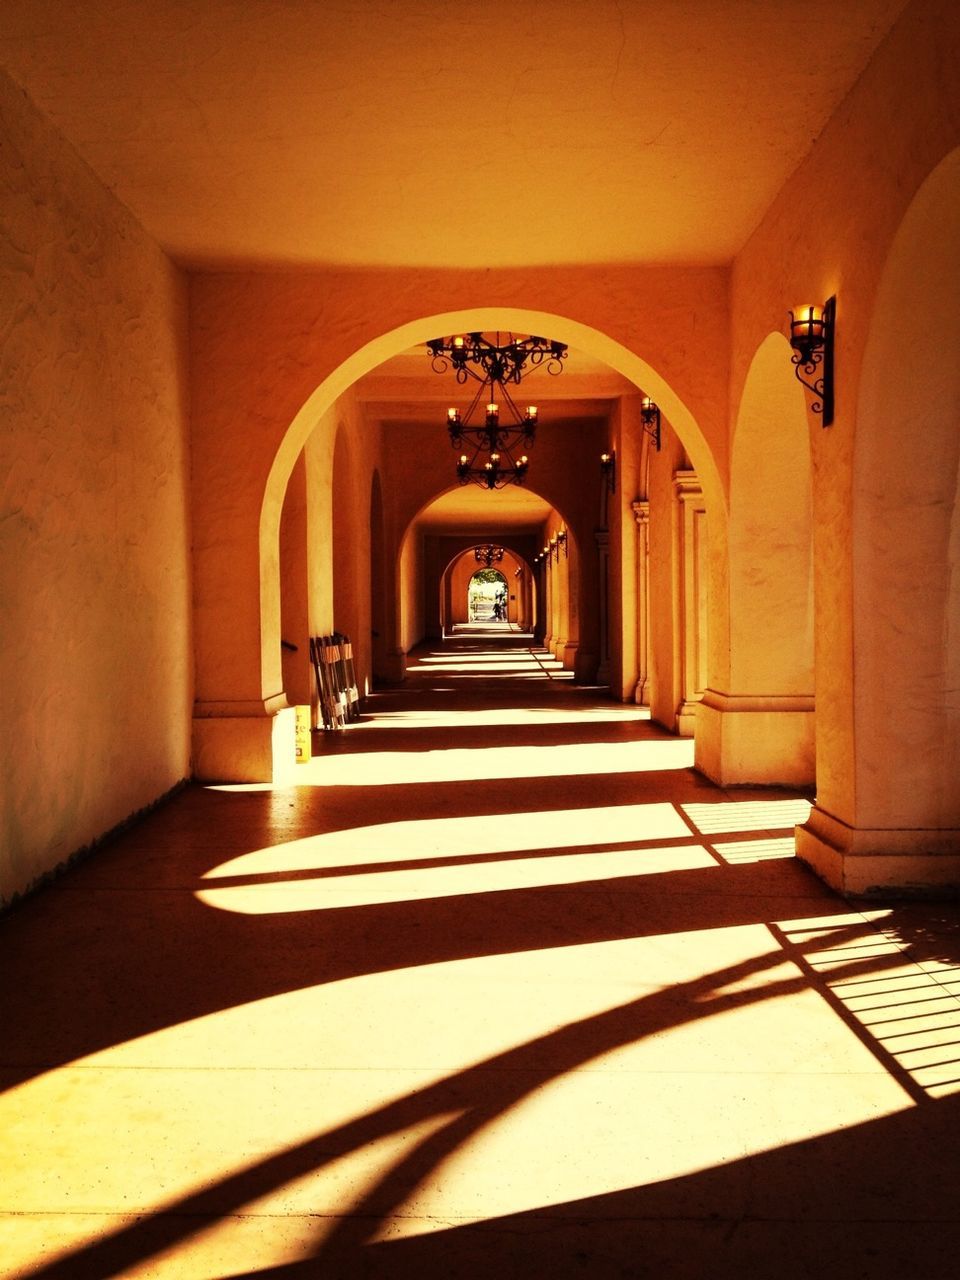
(364,360)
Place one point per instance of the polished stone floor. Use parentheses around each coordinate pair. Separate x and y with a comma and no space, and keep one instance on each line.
(501,988)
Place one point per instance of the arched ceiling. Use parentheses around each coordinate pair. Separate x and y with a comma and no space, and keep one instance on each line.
(370,132)
(472,510)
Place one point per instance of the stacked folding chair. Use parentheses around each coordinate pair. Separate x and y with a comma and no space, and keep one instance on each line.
(338,697)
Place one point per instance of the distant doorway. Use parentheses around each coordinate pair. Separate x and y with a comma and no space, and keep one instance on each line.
(487,596)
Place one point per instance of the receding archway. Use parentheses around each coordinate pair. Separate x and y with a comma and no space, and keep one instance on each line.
(312,413)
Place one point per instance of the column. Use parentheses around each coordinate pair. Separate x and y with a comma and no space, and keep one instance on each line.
(641,514)
(691,629)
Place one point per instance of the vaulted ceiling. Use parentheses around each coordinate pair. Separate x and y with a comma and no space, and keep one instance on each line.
(429,133)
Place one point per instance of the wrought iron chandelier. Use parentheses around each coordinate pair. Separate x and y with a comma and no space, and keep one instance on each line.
(488,554)
(493,451)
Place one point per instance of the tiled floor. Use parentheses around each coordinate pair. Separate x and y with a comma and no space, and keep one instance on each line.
(503,988)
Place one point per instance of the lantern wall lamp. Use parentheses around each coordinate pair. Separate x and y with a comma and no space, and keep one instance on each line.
(650,420)
(608,469)
(811,336)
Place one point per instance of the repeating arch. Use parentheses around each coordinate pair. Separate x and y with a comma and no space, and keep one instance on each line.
(906,543)
(370,355)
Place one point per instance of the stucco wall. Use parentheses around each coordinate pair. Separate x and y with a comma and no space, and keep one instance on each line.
(829,232)
(95,656)
(298,676)
(355,456)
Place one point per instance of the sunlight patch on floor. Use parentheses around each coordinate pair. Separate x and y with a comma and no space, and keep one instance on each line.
(379,864)
(333,893)
(676,1052)
(739,852)
(747,815)
(908,1010)
(530,717)
(575,759)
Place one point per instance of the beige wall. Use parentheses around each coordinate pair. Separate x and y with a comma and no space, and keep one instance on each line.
(95,650)
(294,594)
(830,231)
(355,458)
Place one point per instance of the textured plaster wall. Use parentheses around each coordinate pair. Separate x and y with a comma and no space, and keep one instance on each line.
(294,593)
(907,526)
(412,625)
(770,532)
(829,231)
(355,456)
(626,441)
(665,639)
(95,652)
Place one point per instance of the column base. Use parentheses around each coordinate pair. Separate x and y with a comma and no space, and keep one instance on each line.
(395,666)
(744,739)
(687,717)
(880,862)
(585,668)
(568,655)
(245,748)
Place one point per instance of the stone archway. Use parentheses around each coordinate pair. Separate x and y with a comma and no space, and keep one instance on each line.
(313,412)
(240,696)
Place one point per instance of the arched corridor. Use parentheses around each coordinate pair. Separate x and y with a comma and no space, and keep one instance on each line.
(352,925)
(504,985)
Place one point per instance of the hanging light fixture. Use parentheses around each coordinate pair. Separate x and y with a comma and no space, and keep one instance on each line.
(811,336)
(488,554)
(650,420)
(493,451)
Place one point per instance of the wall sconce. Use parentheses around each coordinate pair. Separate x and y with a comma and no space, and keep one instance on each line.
(562,542)
(547,557)
(608,469)
(650,420)
(554,548)
(811,336)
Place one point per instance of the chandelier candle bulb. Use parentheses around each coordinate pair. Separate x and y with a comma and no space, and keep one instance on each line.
(495,362)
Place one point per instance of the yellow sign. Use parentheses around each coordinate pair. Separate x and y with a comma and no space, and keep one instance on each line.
(303,735)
